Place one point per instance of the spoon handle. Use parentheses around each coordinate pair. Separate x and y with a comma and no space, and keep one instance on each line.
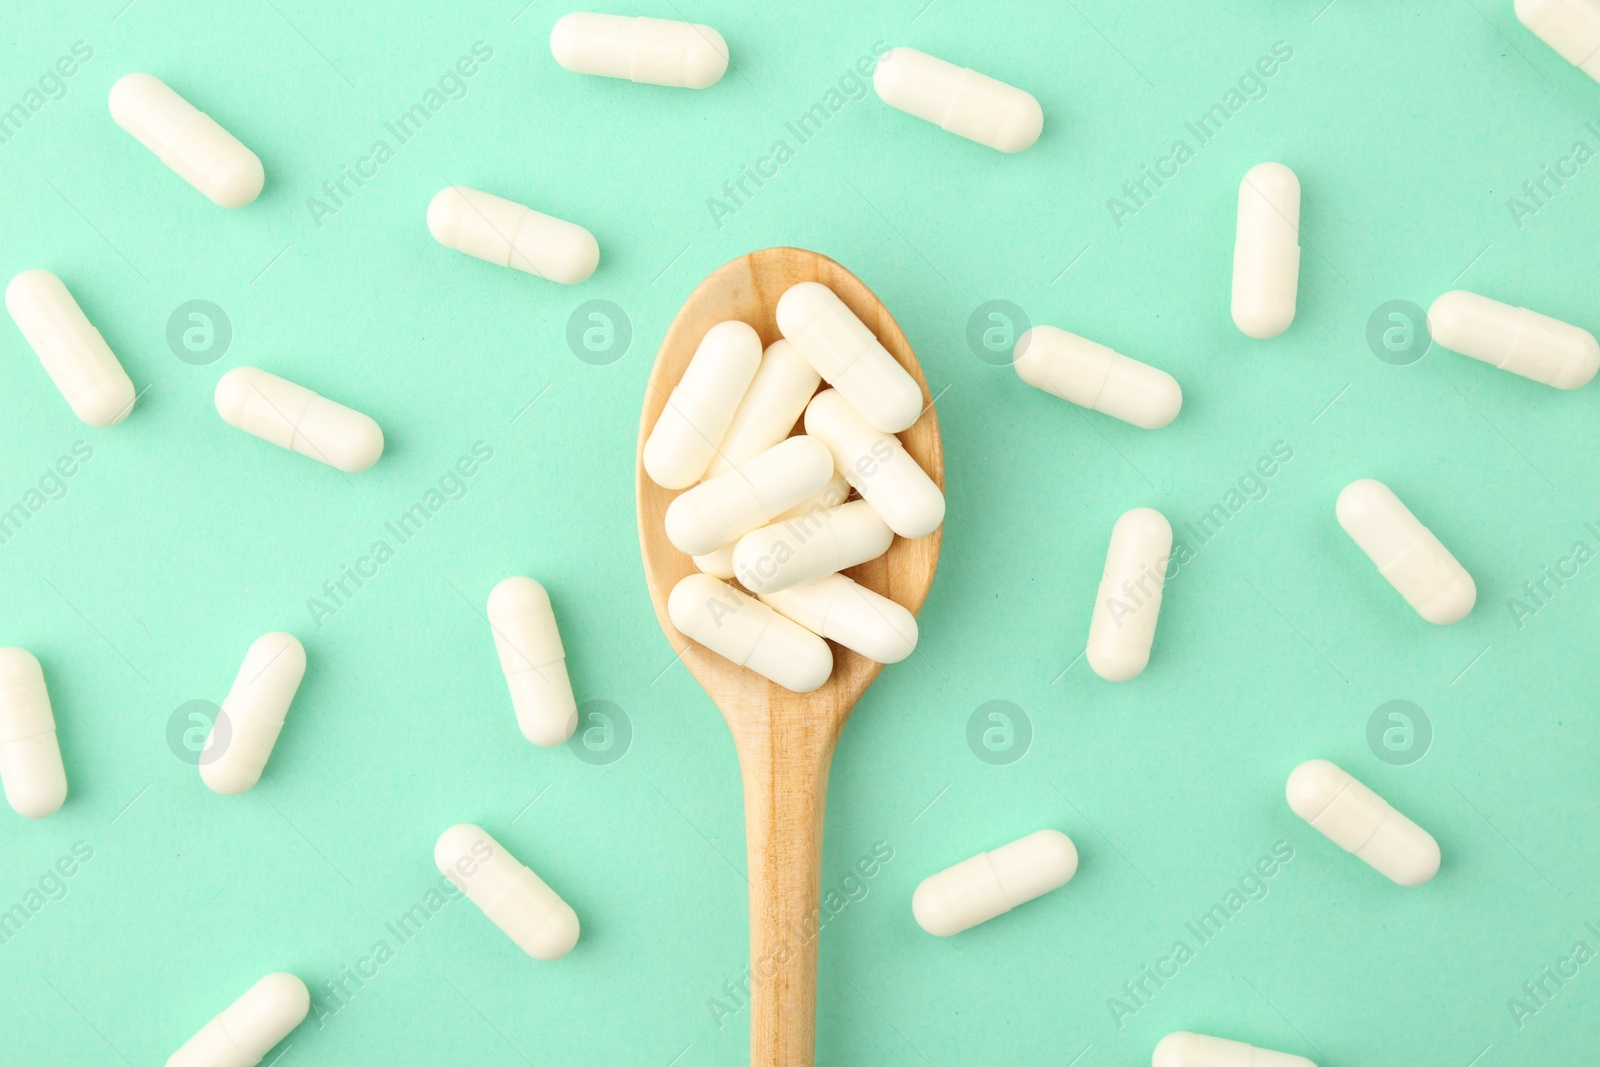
(785,770)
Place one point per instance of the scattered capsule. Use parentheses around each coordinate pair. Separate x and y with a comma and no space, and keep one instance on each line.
(876,466)
(252,715)
(776,399)
(1406,552)
(1183,1049)
(992,883)
(683,55)
(533,660)
(839,609)
(1266,251)
(959,101)
(73,353)
(1093,376)
(512,896)
(749,634)
(699,410)
(1571,27)
(30,756)
(293,417)
(726,507)
(849,357)
(248,1028)
(811,546)
(1128,602)
(719,564)
(507,234)
(1360,821)
(1514,339)
(188,140)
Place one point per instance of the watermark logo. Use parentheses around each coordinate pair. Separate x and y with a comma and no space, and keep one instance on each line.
(337,592)
(199,332)
(1538,592)
(851,888)
(1398,334)
(1539,190)
(1251,887)
(993,329)
(604,733)
(336,993)
(999,733)
(599,332)
(1399,733)
(851,85)
(1252,486)
(1544,987)
(190,725)
(50,887)
(451,85)
(798,530)
(50,86)
(1146,185)
(51,486)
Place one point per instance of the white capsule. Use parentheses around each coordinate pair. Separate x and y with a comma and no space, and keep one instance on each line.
(719,564)
(746,632)
(960,101)
(252,715)
(1129,598)
(1183,1049)
(1093,376)
(1515,339)
(512,896)
(831,495)
(30,756)
(727,507)
(1360,821)
(248,1028)
(849,357)
(876,466)
(773,403)
(188,140)
(535,664)
(852,615)
(992,883)
(682,55)
(699,410)
(73,353)
(811,546)
(1406,552)
(1571,27)
(507,234)
(293,417)
(1266,251)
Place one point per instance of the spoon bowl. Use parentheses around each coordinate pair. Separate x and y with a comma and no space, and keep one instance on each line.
(785,740)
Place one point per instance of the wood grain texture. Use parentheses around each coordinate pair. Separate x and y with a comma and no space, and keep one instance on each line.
(785,740)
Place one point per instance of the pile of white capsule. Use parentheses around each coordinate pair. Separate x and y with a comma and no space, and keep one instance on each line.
(773,511)
(765,508)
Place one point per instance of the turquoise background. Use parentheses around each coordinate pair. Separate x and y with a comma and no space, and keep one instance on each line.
(182,540)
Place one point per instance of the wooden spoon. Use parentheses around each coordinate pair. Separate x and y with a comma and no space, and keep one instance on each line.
(785,740)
